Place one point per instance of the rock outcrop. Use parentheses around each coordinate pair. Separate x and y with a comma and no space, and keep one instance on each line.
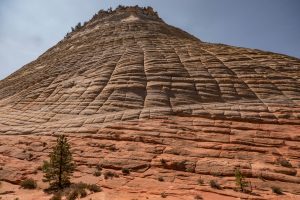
(132,92)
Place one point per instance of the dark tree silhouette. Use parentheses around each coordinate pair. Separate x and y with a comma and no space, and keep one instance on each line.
(61,166)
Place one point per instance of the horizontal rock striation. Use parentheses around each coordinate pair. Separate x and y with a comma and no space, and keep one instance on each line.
(134,92)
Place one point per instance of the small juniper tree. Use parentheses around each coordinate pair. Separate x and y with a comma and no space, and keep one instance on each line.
(240,180)
(61,166)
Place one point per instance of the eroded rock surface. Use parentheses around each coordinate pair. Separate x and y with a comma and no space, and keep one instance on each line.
(132,92)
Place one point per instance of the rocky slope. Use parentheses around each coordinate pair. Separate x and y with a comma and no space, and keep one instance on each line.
(132,92)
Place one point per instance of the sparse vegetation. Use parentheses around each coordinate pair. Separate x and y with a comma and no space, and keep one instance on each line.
(61,166)
(109,174)
(94,188)
(214,184)
(78,190)
(160,178)
(97,173)
(181,165)
(72,195)
(29,184)
(163,195)
(240,180)
(77,27)
(277,190)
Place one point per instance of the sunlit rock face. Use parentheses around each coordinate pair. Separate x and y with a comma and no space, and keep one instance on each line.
(134,92)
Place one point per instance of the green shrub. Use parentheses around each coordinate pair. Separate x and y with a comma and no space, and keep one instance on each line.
(72,195)
(28,184)
(97,173)
(215,184)
(61,166)
(79,185)
(82,193)
(240,180)
(109,174)
(94,188)
(277,190)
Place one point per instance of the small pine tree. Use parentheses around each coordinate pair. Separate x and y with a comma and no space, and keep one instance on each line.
(61,166)
(78,26)
(240,180)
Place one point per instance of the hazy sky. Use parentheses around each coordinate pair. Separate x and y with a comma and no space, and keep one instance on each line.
(29,27)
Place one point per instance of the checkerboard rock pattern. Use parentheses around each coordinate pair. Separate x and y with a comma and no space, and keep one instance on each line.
(131,91)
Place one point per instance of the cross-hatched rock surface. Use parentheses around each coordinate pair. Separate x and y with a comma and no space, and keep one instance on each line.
(134,92)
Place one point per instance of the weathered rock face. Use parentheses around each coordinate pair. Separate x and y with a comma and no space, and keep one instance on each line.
(133,92)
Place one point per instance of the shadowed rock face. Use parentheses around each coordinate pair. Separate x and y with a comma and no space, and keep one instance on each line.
(132,91)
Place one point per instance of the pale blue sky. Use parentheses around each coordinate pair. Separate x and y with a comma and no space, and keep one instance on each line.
(29,27)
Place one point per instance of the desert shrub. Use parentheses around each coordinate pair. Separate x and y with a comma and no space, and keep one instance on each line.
(109,174)
(163,195)
(284,162)
(180,165)
(72,195)
(276,190)
(125,171)
(240,180)
(215,184)
(80,189)
(97,173)
(80,185)
(28,184)
(83,193)
(94,188)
